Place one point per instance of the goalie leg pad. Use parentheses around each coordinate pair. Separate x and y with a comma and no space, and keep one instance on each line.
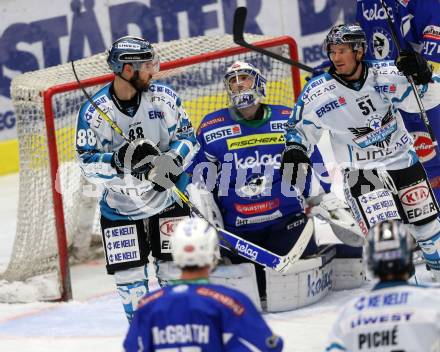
(241,277)
(310,280)
(307,282)
(125,244)
(132,285)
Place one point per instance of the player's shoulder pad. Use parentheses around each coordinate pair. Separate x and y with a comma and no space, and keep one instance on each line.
(101,98)
(213,119)
(316,87)
(165,92)
(233,300)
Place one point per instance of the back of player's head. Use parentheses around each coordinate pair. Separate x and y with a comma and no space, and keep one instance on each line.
(390,251)
(351,34)
(246,97)
(131,50)
(194,244)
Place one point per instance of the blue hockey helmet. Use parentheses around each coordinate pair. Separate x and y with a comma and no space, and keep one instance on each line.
(254,93)
(131,50)
(390,249)
(351,34)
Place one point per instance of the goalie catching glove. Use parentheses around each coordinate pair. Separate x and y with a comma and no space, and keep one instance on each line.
(411,63)
(337,213)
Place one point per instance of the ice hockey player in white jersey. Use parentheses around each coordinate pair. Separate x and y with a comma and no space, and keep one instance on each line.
(136,177)
(395,315)
(358,102)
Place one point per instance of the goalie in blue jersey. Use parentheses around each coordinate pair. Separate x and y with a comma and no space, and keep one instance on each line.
(192,314)
(236,174)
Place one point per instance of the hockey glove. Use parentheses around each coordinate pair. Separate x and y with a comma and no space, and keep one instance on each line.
(166,170)
(411,63)
(135,157)
(295,154)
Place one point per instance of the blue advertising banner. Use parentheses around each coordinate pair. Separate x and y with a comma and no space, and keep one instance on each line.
(44,33)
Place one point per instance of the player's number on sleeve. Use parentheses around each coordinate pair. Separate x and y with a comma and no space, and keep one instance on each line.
(366,106)
(135,133)
(85,136)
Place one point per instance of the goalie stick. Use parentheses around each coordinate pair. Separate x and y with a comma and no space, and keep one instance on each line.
(423,114)
(238,33)
(227,239)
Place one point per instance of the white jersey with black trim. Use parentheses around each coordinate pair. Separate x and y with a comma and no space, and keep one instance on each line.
(365,126)
(161,118)
(394,316)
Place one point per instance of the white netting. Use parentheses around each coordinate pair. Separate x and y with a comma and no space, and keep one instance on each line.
(199,85)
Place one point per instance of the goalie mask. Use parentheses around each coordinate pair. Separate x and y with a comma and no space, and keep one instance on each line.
(194,244)
(132,50)
(244,84)
(390,249)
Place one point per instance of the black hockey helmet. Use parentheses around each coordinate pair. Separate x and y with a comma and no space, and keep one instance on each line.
(351,34)
(131,50)
(390,249)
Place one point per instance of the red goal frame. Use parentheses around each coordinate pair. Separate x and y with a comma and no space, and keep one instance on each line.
(66,291)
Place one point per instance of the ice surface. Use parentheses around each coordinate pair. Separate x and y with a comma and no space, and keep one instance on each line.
(94,321)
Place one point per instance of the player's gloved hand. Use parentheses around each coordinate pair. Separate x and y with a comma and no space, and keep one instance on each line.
(135,157)
(166,170)
(411,63)
(295,154)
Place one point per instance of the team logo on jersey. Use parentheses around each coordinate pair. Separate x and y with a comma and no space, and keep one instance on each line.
(276,126)
(423,146)
(255,140)
(381,43)
(221,133)
(334,104)
(255,186)
(377,133)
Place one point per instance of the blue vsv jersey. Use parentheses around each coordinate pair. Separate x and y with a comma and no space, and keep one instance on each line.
(200,317)
(247,156)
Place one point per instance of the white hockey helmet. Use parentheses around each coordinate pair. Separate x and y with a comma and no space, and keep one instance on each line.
(194,243)
(248,97)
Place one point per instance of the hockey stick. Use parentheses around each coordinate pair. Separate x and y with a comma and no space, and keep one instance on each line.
(238,32)
(227,240)
(410,79)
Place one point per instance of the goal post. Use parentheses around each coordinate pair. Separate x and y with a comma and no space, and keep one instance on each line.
(53,218)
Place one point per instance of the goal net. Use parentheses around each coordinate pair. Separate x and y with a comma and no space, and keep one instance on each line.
(57,212)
